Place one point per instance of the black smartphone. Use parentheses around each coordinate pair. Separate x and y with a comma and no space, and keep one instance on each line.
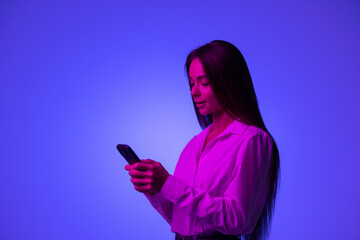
(128,153)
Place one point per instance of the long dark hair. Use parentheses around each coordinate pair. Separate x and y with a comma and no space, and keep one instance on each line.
(229,77)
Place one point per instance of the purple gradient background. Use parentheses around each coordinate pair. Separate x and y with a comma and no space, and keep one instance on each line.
(78,78)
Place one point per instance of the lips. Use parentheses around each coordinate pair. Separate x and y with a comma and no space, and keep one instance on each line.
(199,104)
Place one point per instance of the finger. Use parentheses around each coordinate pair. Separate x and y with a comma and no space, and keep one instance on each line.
(140,181)
(142,166)
(137,188)
(144,189)
(138,174)
(150,162)
(128,167)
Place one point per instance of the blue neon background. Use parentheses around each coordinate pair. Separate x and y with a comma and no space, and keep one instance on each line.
(79,77)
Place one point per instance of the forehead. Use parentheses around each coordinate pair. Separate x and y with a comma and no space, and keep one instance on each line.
(196,69)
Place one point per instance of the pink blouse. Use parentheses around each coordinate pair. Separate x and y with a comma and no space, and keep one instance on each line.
(222,188)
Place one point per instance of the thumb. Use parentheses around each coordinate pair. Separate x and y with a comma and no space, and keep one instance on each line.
(148,161)
(128,167)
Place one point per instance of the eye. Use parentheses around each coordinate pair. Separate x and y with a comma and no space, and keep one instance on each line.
(192,85)
(205,84)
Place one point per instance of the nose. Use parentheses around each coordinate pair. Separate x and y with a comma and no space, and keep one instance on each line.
(195,90)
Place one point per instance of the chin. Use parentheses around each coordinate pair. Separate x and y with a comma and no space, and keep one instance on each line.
(202,112)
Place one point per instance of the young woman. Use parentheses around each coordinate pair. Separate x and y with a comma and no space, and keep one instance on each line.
(226,179)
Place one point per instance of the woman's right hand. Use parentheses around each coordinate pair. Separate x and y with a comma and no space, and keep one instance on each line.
(148,176)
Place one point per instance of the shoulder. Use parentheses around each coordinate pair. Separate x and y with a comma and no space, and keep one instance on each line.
(255,132)
(255,148)
(247,131)
(248,134)
(258,143)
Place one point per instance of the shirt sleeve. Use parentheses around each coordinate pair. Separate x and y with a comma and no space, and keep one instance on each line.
(237,211)
(162,205)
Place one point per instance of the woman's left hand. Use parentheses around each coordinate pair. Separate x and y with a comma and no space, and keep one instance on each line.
(148,176)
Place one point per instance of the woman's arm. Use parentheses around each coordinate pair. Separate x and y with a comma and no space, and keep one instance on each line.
(238,210)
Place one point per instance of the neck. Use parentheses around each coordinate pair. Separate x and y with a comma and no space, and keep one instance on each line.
(221,120)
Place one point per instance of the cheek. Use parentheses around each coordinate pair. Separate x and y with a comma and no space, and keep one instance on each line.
(209,94)
(213,100)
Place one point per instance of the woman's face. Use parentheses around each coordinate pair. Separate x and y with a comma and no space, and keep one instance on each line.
(201,91)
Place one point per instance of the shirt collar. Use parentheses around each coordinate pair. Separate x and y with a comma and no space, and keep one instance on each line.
(236,127)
